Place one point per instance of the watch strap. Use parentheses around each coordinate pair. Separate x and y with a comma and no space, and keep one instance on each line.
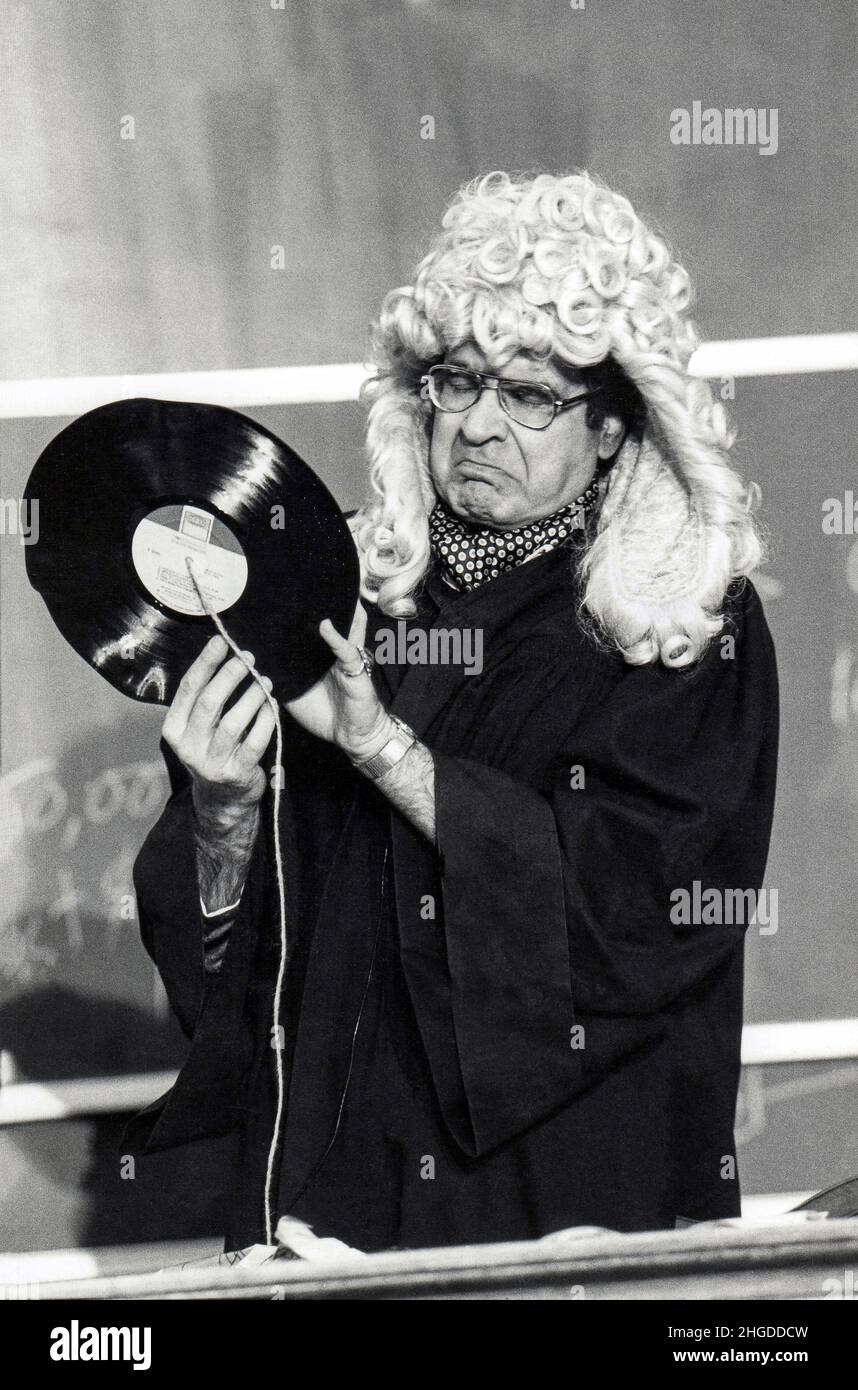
(392,752)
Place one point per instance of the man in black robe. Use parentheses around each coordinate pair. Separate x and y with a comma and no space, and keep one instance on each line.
(495,1022)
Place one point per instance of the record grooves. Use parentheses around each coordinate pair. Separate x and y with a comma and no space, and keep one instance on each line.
(127,491)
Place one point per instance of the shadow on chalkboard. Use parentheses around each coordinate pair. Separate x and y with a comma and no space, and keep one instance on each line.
(181,1194)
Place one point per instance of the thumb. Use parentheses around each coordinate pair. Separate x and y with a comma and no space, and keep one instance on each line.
(357,631)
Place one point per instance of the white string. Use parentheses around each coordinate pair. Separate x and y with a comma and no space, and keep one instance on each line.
(281,891)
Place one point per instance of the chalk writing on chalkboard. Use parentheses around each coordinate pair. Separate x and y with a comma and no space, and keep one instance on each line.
(68,845)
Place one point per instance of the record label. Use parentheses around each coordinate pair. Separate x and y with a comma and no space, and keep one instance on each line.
(160,545)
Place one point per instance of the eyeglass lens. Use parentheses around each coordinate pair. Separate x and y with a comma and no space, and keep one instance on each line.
(456,389)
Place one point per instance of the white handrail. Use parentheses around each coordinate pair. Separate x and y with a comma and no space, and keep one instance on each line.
(26,1102)
(817,1040)
(341,381)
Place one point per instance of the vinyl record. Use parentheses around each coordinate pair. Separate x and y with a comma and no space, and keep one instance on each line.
(127,491)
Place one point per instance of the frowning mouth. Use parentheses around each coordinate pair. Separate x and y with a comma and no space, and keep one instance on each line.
(473,468)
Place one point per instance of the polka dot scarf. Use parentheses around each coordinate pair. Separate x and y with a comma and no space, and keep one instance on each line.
(472,555)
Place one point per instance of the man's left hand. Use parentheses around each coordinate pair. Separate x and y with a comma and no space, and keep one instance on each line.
(343,707)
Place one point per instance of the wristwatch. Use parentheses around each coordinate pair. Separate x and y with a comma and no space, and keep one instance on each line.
(390,754)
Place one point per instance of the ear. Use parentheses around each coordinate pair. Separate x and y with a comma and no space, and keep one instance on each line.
(611,434)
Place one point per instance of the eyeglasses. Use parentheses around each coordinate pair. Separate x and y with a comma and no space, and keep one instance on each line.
(529,403)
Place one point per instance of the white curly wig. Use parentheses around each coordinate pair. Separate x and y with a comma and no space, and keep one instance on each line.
(563,266)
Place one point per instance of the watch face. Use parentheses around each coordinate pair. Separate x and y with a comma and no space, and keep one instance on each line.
(387,757)
(395,749)
(392,750)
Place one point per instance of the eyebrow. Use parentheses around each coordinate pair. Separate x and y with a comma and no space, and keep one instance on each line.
(559,388)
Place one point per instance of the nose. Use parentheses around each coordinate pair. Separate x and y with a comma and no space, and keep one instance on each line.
(485,419)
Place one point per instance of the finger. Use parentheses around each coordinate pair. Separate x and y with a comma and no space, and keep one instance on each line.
(259,736)
(211,699)
(236,721)
(342,648)
(197,676)
(357,631)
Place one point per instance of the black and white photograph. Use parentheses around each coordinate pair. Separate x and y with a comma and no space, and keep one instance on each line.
(429,668)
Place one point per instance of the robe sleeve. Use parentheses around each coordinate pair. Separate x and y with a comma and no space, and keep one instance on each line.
(168,902)
(205,1100)
(561,949)
(188,946)
(217,1008)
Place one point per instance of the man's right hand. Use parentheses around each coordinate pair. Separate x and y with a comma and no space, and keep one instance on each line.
(221,752)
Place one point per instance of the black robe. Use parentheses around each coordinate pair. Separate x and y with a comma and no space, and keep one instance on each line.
(539,1044)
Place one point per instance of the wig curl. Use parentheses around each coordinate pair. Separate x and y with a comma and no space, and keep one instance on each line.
(563,266)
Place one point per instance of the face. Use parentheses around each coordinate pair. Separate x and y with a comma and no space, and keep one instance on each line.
(494,472)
